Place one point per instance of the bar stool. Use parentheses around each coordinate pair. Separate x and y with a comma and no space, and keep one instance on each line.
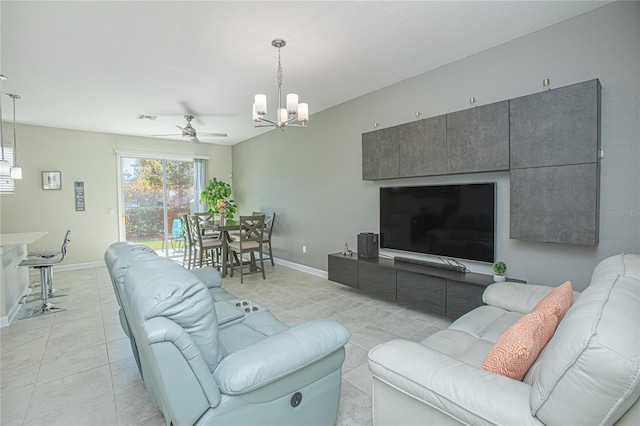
(45,266)
(53,292)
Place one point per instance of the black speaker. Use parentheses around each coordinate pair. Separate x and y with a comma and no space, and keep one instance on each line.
(367,245)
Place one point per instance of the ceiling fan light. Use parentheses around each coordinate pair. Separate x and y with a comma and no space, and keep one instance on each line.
(303,112)
(292,102)
(261,104)
(256,117)
(16,172)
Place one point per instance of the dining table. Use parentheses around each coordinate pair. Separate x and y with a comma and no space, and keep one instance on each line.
(224,229)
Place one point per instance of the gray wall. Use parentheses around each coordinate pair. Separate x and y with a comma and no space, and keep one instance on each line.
(312,177)
(81,156)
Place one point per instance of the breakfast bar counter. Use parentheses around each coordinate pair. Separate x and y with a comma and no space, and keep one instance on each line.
(14,281)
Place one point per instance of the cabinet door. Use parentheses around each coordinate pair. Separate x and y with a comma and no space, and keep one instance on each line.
(423,147)
(478,139)
(555,204)
(556,127)
(380,154)
(343,270)
(376,279)
(462,298)
(423,291)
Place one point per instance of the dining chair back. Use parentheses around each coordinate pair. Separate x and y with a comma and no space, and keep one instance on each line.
(249,241)
(203,247)
(187,257)
(269,219)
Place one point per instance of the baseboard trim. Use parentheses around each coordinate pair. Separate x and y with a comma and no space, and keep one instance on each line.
(75,266)
(303,268)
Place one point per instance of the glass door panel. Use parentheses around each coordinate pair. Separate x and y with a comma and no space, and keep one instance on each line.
(154,193)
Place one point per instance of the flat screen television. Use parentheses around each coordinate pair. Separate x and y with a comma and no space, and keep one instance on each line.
(445,220)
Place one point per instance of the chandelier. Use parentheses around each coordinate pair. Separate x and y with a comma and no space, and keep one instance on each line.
(294,115)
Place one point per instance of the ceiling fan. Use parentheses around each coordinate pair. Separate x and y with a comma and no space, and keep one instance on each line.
(189,131)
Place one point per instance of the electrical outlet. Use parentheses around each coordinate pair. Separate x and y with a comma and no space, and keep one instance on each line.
(304,249)
(110,211)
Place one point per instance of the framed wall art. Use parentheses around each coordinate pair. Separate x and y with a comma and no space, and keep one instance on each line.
(51,180)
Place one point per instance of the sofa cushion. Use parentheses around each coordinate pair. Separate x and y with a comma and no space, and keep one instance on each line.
(471,336)
(517,349)
(593,360)
(558,300)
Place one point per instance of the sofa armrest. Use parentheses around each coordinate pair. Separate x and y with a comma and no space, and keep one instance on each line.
(515,297)
(464,392)
(279,355)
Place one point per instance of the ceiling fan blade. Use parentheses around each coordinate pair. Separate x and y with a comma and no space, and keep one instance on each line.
(195,140)
(213,135)
(171,134)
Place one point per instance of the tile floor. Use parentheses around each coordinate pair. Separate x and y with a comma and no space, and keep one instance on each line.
(76,367)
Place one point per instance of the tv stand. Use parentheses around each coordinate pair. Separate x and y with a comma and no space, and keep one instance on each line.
(456,268)
(434,288)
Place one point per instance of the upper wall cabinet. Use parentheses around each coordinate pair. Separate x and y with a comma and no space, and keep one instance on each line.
(380,154)
(556,127)
(478,139)
(417,148)
(422,146)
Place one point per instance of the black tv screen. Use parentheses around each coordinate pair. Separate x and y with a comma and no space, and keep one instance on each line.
(447,220)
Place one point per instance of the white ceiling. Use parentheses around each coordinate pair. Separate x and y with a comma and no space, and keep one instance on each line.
(97,65)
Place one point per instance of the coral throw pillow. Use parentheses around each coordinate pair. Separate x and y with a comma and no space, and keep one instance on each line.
(558,300)
(518,348)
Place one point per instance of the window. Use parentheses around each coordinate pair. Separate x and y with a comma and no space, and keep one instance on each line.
(6,182)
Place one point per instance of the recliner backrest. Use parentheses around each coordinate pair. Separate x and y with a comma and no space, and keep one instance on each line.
(182,298)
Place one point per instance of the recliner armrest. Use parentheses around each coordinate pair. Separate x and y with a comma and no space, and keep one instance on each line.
(462,391)
(279,355)
(208,275)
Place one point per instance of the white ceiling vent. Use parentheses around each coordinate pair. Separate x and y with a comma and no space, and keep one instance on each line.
(147,117)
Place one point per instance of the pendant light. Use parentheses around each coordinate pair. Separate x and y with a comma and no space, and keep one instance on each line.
(15,171)
(5,166)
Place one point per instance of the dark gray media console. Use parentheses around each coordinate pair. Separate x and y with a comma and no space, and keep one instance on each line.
(442,291)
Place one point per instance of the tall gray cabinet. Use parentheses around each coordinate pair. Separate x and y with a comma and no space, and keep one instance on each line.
(555,154)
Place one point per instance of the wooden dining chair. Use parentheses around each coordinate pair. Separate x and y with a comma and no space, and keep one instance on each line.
(249,241)
(208,216)
(188,242)
(203,248)
(269,219)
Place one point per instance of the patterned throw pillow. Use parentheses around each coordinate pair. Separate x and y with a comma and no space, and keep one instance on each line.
(558,300)
(518,348)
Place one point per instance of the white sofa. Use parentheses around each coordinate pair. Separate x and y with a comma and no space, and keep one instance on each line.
(588,373)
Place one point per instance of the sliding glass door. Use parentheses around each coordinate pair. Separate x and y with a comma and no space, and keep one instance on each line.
(153,193)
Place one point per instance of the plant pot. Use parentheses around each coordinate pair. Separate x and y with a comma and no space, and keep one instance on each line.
(499,278)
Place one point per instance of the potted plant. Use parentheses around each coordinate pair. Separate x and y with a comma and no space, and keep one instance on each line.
(215,194)
(499,268)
